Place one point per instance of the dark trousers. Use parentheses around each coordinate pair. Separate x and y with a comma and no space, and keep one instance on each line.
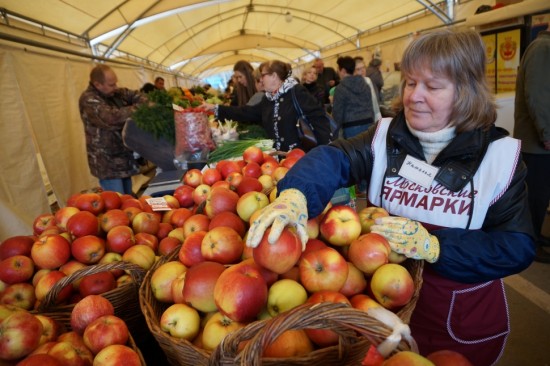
(538,186)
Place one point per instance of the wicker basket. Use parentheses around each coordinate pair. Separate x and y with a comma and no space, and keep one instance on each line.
(64,320)
(124,298)
(347,321)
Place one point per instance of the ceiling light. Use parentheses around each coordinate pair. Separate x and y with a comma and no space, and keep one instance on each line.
(288,17)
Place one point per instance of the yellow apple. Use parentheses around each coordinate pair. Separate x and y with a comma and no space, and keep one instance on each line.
(367,216)
(181,321)
(266,181)
(340,225)
(162,278)
(251,202)
(216,328)
(284,295)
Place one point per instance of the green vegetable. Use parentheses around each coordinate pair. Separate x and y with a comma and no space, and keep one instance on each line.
(232,149)
(157,117)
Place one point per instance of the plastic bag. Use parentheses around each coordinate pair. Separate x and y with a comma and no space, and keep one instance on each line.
(193,136)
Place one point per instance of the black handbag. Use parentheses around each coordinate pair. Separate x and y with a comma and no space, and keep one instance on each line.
(305,130)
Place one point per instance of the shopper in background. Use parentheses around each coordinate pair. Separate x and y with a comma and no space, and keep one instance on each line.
(276,112)
(147,88)
(352,105)
(453,183)
(374,73)
(309,81)
(532,127)
(245,86)
(159,83)
(104,109)
(361,69)
(327,77)
(260,93)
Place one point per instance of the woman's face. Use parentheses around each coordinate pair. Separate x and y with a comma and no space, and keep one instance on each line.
(428,100)
(310,75)
(271,81)
(241,78)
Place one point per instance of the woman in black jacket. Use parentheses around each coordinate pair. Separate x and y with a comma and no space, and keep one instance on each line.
(276,112)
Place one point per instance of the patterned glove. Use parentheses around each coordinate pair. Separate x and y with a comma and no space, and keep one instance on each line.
(408,237)
(290,208)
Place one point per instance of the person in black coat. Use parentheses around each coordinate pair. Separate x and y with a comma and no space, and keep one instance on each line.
(276,112)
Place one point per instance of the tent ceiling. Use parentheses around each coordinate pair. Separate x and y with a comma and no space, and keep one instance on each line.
(202,36)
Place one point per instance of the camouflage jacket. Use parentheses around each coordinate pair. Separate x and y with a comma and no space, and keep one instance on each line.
(104,118)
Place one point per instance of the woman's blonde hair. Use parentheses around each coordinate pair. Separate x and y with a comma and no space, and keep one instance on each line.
(459,56)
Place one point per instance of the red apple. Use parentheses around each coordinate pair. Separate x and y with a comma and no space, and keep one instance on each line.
(117,354)
(249,184)
(146,222)
(105,331)
(20,295)
(198,288)
(47,282)
(229,219)
(220,200)
(221,183)
(368,252)
(119,239)
(164,229)
(241,292)
(179,216)
(111,199)
(112,218)
(131,202)
(392,285)
(63,215)
(448,358)
(192,177)
(41,359)
(323,269)
(355,283)
(97,283)
(51,251)
(83,223)
(16,245)
(70,355)
(131,212)
(89,309)
(167,245)
(190,252)
(295,153)
(20,334)
(253,154)
(42,222)
(200,194)
(340,225)
(140,255)
(227,167)
(147,239)
(252,170)
(16,269)
(313,244)
(222,244)
(184,195)
(268,167)
(88,249)
(196,222)
(288,162)
(211,176)
(234,179)
(325,337)
(363,302)
(91,202)
(280,256)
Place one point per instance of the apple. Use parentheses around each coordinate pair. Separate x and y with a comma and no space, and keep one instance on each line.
(253,154)
(40,359)
(190,251)
(117,354)
(288,162)
(171,201)
(368,252)
(217,328)
(222,244)
(147,239)
(291,343)
(407,358)
(221,183)
(234,179)
(16,269)
(292,274)
(196,222)
(119,239)
(192,177)
(140,255)
(91,202)
(167,245)
(268,167)
(177,288)
(112,218)
(131,202)
(229,219)
(131,212)
(88,249)
(283,295)
(392,285)
(273,194)
(269,276)
(180,321)
(325,337)
(164,229)
(198,287)
(355,283)
(367,216)
(124,280)
(448,358)
(251,202)
(20,334)
(295,153)
(267,182)
(51,251)
(340,225)
(184,195)
(279,173)
(19,294)
(363,302)
(87,310)
(220,200)
(252,170)
(146,222)
(16,245)
(83,223)
(105,331)
(7,310)
(312,245)
(162,278)
(227,167)
(211,176)
(63,215)
(97,283)
(50,328)
(75,339)
(179,216)
(241,292)
(201,193)
(111,199)
(312,228)
(39,274)
(42,222)
(249,184)
(280,256)
(397,258)
(323,269)
(177,233)
(47,282)
(111,257)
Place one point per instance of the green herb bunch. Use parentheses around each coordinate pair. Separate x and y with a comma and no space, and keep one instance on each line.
(157,116)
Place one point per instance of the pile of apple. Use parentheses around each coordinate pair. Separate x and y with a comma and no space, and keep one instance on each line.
(216,285)
(97,337)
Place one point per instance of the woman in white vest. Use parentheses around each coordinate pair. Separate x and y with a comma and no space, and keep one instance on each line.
(453,183)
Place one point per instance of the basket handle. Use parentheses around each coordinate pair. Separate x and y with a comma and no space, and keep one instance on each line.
(136,272)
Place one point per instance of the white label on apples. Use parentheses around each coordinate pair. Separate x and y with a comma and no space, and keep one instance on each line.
(418,171)
(158,204)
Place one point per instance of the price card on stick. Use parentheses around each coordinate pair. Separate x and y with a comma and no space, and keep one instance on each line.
(158,204)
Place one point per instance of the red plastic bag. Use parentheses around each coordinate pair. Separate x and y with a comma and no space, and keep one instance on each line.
(192,133)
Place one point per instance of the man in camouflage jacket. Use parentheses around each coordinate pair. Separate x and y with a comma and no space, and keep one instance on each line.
(104,109)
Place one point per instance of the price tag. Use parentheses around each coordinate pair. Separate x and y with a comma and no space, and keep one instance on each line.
(158,204)
(418,171)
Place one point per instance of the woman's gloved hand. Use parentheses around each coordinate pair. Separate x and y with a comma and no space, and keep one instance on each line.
(290,208)
(408,237)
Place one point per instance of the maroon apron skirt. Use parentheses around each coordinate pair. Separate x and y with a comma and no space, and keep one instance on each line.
(468,318)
